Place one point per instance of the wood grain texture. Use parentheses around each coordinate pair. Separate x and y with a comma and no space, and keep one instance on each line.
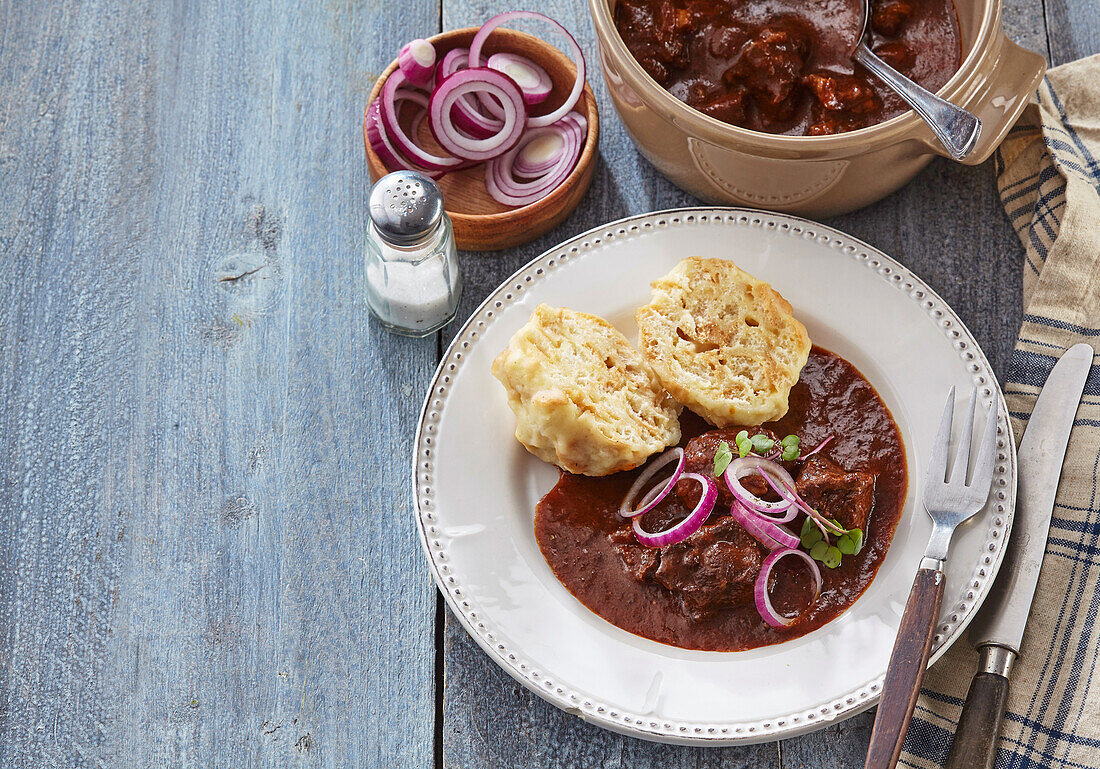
(208,558)
(206,553)
(493,721)
(978,735)
(1073,29)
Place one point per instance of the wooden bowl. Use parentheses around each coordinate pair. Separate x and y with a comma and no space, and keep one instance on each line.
(481,223)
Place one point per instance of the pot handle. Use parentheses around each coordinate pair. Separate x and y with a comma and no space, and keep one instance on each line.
(1001,97)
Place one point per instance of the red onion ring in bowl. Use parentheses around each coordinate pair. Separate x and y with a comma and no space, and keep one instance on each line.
(383,147)
(452,61)
(578,59)
(465,113)
(650,501)
(745,466)
(539,155)
(760,590)
(685,528)
(387,111)
(499,172)
(417,60)
(530,77)
(477,80)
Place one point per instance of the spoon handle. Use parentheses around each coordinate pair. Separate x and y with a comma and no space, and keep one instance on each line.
(956,128)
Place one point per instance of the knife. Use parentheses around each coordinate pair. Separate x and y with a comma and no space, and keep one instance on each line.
(998,628)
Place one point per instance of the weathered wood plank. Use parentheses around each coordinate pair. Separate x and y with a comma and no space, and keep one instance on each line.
(492,721)
(972,259)
(1073,29)
(489,720)
(208,557)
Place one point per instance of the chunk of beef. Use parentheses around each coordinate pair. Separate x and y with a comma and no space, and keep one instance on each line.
(644,46)
(888,16)
(771,66)
(725,42)
(640,561)
(655,69)
(728,106)
(836,492)
(673,24)
(699,458)
(843,93)
(715,568)
(829,124)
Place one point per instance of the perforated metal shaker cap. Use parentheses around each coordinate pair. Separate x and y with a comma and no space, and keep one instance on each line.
(405,206)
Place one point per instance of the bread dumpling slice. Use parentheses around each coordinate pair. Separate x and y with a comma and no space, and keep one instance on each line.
(723,343)
(584,398)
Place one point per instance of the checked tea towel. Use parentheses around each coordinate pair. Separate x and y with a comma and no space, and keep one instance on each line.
(1049,181)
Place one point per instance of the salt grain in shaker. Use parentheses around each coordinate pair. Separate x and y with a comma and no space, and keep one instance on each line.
(413,284)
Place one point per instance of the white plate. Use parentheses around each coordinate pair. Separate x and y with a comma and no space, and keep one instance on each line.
(476,488)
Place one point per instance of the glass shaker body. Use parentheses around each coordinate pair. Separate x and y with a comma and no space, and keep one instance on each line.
(413,290)
(413,284)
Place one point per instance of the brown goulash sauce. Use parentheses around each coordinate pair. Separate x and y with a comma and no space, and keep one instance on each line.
(785,66)
(698,594)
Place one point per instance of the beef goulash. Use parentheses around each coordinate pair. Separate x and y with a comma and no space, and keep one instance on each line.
(784,66)
(741,535)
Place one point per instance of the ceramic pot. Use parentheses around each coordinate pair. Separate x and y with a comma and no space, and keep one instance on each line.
(815,175)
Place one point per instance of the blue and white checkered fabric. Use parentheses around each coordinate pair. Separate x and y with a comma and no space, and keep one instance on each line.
(1049,180)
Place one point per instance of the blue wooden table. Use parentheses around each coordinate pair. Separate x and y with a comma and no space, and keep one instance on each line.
(207,551)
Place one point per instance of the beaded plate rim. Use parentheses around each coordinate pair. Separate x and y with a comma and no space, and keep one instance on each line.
(690,732)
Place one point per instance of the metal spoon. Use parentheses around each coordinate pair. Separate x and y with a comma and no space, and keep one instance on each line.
(957,129)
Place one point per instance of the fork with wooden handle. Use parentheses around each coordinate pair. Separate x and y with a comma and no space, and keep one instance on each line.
(949,500)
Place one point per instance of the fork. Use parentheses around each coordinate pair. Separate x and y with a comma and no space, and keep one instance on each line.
(949,500)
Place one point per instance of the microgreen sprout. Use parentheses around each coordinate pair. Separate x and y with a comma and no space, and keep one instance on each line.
(722,459)
(811,534)
(744,445)
(817,543)
(851,542)
(790,448)
(762,444)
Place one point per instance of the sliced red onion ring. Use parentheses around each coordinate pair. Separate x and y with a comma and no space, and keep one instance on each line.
(470,81)
(417,60)
(387,112)
(771,535)
(383,147)
(685,528)
(745,466)
(465,113)
(539,155)
(626,509)
(580,120)
(760,590)
(500,175)
(577,56)
(652,494)
(469,121)
(417,122)
(530,77)
(452,61)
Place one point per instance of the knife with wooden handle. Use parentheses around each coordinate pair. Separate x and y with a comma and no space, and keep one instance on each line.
(998,628)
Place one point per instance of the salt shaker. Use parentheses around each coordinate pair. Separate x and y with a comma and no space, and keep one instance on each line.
(413,284)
